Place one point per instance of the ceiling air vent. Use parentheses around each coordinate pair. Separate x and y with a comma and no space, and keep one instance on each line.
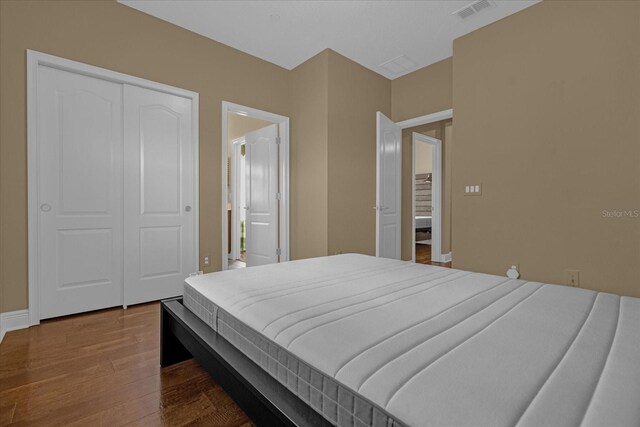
(399,65)
(473,8)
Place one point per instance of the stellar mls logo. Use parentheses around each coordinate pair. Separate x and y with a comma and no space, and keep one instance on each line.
(632,213)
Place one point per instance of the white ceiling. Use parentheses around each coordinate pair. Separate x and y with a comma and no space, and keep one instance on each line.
(287,33)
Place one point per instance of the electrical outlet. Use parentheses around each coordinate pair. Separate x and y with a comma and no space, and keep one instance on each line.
(572,278)
(205,260)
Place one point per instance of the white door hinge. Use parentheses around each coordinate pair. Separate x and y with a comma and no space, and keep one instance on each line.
(278,251)
(278,195)
(278,140)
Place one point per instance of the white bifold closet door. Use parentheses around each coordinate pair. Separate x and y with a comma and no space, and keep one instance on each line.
(158,194)
(115,193)
(80,224)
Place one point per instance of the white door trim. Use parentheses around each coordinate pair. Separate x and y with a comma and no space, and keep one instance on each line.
(235,185)
(436,195)
(12,321)
(425,120)
(36,59)
(283,175)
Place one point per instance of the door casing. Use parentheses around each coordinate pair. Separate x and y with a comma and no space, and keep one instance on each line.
(436,195)
(283,176)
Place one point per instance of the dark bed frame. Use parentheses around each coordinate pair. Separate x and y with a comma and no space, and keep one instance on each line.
(267,402)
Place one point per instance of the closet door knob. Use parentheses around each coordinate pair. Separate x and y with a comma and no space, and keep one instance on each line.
(187,208)
(45,207)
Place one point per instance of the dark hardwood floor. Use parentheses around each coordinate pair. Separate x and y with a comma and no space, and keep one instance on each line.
(103,368)
(423,256)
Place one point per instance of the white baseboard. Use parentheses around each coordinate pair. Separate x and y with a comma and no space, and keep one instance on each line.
(446,257)
(13,320)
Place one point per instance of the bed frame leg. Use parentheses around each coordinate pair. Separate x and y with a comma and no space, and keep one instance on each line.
(171,349)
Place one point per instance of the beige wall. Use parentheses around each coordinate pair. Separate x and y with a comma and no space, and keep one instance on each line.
(309,151)
(547,118)
(442,131)
(113,36)
(425,91)
(239,125)
(424,158)
(355,94)
(334,101)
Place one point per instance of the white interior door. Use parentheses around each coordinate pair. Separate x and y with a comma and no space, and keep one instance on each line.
(158,196)
(261,168)
(388,187)
(79,159)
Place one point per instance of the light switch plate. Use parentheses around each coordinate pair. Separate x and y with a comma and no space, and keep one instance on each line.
(473,190)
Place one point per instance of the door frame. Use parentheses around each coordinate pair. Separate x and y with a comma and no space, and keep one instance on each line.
(235,185)
(436,195)
(283,175)
(34,61)
(416,121)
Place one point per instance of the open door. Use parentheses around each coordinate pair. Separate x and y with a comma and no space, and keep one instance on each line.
(388,187)
(261,168)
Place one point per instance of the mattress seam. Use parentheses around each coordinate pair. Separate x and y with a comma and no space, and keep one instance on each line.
(338,299)
(296,284)
(604,365)
(241,336)
(371,308)
(439,333)
(566,351)
(460,344)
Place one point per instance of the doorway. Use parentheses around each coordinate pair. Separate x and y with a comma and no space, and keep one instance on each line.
(255,187)
(396,181)
(426,171)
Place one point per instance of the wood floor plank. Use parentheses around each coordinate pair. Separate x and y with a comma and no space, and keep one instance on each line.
(103,369)
(423,256)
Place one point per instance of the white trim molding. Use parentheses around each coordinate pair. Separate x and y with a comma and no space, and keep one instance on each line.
(283,178)
(12,321)
(436,195)
(34,61)
(424,120)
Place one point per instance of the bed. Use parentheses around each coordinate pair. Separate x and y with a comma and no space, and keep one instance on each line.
(423,222)
(353,340)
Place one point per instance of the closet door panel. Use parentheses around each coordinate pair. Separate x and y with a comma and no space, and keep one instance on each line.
(79,139)
(159,179)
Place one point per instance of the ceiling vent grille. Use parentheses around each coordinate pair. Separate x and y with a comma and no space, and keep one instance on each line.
(474,8)
(399,65)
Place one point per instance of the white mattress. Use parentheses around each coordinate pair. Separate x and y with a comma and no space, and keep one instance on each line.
(423,221)
(444,347)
